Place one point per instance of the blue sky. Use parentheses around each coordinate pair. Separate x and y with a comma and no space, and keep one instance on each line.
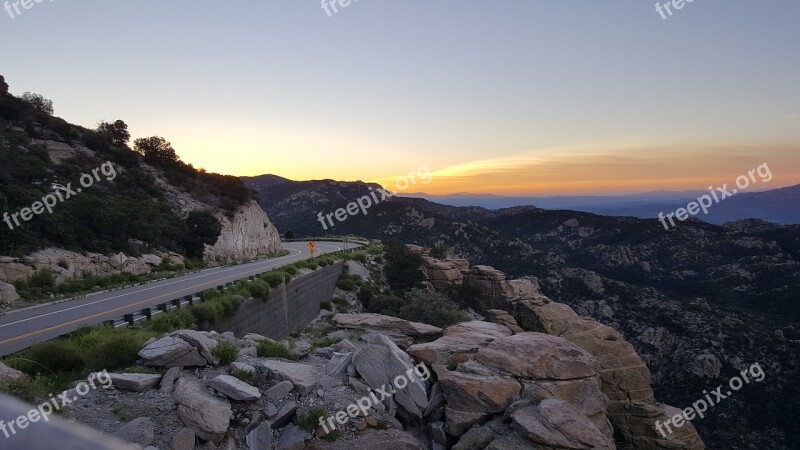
(581,96)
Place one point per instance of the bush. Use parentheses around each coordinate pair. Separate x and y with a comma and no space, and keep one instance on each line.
(211,294)
(431,308)
(226,352)
(341,304)
(171,321)
(205,312)
(275,279)
(402,266)
(52,357)
(272,349)
(291,270)
(230,304)
(259,289)
(326,306)
(116,352)
(309,419)
(346,284)
(326,342)
(244,375)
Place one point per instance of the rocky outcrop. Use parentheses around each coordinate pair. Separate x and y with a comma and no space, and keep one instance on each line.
(247,235)
(65,265)
(136,382)
(389,440)
(624,377)
(8,374)
(483,369)
(172,351)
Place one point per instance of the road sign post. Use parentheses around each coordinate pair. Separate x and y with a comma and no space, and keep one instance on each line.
(311,246)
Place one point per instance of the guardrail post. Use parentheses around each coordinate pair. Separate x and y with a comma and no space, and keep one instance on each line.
(147,312)
(129,319)
(190,299)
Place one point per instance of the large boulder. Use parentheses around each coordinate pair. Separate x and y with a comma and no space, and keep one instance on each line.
(557,424)
(458,342)
(402,332)
(171,351)
(538,356)
(207,415)
(473,398)
(381,362)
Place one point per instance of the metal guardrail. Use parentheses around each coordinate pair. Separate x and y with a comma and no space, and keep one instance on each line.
(147,314)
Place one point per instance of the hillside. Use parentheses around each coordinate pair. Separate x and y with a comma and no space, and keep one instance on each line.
(696,302)
(79,202)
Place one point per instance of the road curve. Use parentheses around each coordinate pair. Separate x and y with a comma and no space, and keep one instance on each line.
(20,330)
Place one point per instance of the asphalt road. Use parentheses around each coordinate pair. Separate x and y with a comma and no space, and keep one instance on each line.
(20,330)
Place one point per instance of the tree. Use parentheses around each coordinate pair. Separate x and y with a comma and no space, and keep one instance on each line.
(116,133)
(402,267)
(201,228)
(156,150)
(38,102)
(289,234)
(3,86)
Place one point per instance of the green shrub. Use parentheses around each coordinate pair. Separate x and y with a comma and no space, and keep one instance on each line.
(291,270)
(272,349)
(346,284)
(230,304)
(320,330)
(211,294)
(52,357)
(275,279)
(244,375)
(116,352)
(383,425)
(309,419)
(432,308)
(259,289)
(332,436)
(171,321)
(226,352)
(205,312)
(326,306)
(452,365)
(27,389)
(326,342)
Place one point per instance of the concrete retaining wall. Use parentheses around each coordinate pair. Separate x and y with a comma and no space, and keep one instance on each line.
(290,307)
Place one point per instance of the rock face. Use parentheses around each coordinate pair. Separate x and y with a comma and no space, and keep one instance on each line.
(207,415)
(66,265)
(247,235)
(621,374)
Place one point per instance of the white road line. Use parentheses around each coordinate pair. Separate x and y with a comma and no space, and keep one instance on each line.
(143,290)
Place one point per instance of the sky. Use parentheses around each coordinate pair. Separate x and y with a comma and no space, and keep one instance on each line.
(514,97)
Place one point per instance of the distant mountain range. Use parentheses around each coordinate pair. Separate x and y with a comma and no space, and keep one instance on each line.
(697,301)
(781,206)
